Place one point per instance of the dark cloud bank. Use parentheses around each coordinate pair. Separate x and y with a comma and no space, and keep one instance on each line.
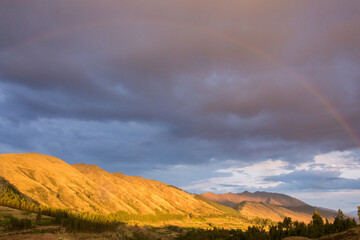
(136,85)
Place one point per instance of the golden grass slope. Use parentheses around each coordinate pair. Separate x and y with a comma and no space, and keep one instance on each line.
(270,211)
(144,195)
(53,182)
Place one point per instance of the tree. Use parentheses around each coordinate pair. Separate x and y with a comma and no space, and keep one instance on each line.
(38,217)
(287,223)
(318,225)
(340,214)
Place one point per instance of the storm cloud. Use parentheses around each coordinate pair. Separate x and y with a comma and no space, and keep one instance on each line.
(141,87)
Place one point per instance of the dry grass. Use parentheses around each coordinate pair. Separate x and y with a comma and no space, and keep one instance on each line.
(88,188)
(5,211)
(275,213)
(53,182)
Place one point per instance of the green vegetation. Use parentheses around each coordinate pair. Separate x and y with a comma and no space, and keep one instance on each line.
(315,229)
(46,222)
(84,222)
(261,222)
(287,228)
(227,210)
(10,222)
(72,221)
(10,196)
(176,188)
(252,233)
(18,224)
(231,212)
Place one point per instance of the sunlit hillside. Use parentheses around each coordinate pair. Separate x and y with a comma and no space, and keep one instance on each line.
(52,182)
(87,188)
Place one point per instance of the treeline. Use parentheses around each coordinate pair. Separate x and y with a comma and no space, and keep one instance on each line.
(87,222)
(315,229)
(287,228)
(252,233)
(13,223)
(84,222)
(10,196)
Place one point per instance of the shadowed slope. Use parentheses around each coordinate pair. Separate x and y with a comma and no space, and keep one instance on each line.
(274,206)
(232,199)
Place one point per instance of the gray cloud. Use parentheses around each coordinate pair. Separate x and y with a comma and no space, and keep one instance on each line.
(314,180)
(203,73)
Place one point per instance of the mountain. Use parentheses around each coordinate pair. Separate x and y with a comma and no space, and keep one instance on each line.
(232,199)
(143,195)
(274,206)
(52,182)
(88,188)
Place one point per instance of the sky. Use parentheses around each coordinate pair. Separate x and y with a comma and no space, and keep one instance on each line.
(220,96)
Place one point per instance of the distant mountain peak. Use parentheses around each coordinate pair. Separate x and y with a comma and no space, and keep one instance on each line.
(267,205)
(231,199)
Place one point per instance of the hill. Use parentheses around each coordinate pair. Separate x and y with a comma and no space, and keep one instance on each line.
(274,206)
(54,183)
(232,199)
(51,182)
(144,196)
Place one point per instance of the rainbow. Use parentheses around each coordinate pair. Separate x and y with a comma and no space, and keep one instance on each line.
(198,28)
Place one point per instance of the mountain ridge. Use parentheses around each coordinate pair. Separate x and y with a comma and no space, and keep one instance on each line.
(88,188)
(268,205)
(231,199)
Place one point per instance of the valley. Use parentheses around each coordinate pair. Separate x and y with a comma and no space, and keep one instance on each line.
(113,204)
